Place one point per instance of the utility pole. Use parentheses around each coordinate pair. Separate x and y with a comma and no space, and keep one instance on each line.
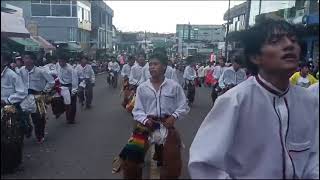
(226,43)
(247,16)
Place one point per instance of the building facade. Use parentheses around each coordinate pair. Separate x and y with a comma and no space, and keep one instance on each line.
(303,13)
(59,21)
(101,35)
(198,39)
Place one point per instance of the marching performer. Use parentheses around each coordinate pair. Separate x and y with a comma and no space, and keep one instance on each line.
(264,128)
(189,75)
(68,79)
(86,81)
(159,103)
(113,68)
(217,73)
(125,73)
(37,81)
(13,120)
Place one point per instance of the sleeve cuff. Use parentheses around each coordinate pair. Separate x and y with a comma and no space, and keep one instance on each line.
(175,115)
(144,121)
(7,101)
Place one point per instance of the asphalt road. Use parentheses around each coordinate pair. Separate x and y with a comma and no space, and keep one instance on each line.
(87,148)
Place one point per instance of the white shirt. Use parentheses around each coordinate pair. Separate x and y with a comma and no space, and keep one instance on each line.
(170,73)
(303,82)
(314,89)
(239,138)
(68,75)
(217,71)
(230,76)
(201,71)
(12,87)
(135,74)
(189,73)
(126,69)
(51,68)
(168,100)
(85,72)
(37,79)
(114,66)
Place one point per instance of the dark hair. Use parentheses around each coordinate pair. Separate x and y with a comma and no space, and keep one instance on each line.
(30,54)
(6,57)
(190,59)
(222,58)
(161,56)
(141,53)
(131,58)
(84,57)
(62,55)
(238,57)
(304,64)
(255,37)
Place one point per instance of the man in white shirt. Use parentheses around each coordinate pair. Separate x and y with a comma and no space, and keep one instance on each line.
(136,70)
(36,80)
(264,128)
(159,103)
(12,93)
(217,72)
(68,79)
(314,90)
(114,68)
(86,81)
(125,73)
(233,75)
(201,74)
(189,76)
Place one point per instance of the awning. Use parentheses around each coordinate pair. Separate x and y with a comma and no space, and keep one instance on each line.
(43,43)
(29,44)
(74,47)
(13,25)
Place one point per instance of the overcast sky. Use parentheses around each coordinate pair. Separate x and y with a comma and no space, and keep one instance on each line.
(162,16)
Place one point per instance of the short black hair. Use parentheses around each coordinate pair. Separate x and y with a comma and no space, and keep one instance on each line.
(255,37)
(32,55)
(304,64)
(131,58)
(62,55)
(7,57)
(238,57)
(160,55)
(141,53)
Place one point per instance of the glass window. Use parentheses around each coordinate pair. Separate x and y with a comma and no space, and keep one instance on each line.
(74,2)
(40,10)
(55,1)
(65,1)
(61,10)
(82,13)
(45,1)
(35,1)
(74,11)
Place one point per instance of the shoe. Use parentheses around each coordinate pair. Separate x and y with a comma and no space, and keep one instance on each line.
(41,140)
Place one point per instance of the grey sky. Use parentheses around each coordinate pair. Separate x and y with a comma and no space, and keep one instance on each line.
(162,16)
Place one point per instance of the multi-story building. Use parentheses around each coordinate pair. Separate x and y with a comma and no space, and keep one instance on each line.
(198,39)
(299,12)
(59,21)
(101,34)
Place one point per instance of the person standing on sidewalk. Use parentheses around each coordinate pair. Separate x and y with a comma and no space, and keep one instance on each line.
(264,128)
(37,81)
(86,81)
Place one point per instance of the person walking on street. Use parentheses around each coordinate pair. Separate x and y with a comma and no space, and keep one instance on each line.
(125,73)
(68,79)
(36,81)
(13,119)
(265,127)
(114,69)
(160,102)
(189,76)
(86,81)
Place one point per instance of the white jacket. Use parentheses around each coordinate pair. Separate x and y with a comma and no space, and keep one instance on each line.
(240,137)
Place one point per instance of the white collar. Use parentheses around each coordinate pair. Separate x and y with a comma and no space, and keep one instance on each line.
(4,70)
(272,86)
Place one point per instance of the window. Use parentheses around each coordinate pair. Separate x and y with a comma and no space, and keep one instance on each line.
(35,1)
(74,2)
(40,10)
(45,1)
(74,11)
(55,1)
(82,14)
(61,10)
(65,1)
